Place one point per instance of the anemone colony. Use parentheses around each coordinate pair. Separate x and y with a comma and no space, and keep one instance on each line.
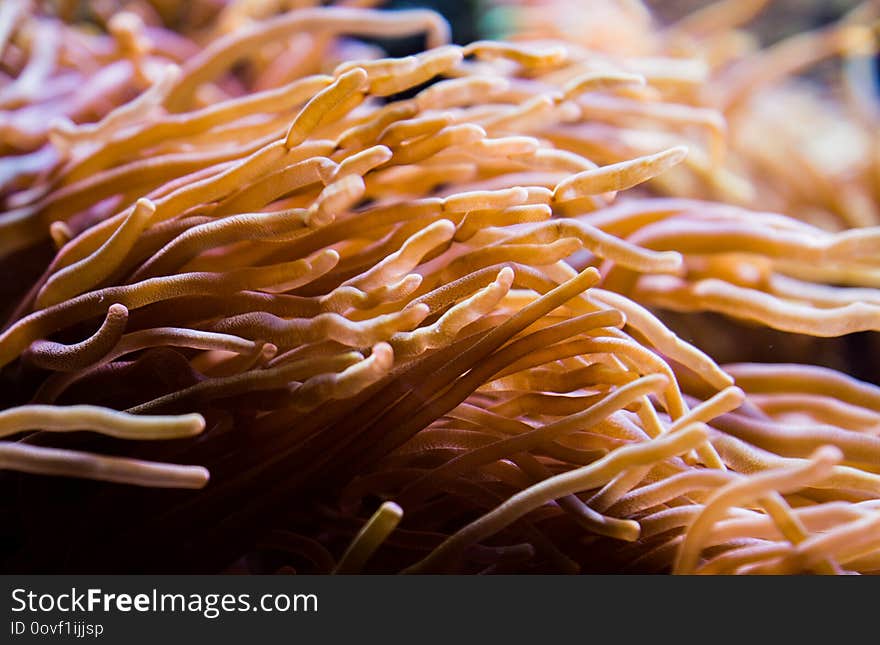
(408,312)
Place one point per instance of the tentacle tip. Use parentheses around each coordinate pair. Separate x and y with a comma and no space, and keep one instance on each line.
(391,509)
(330,255)
(383,355)
(631,531)
(327,169)
(591,273)
(419,312)
(383,153)
(171,72)
(146,204)
(675,155)
(319,218)
(201,477)
(724,380)
(412,281)
(696,433)
(674,263)
(506,276)
(357,76)
(827,454)
(445,228)
(196,422)
(269,351)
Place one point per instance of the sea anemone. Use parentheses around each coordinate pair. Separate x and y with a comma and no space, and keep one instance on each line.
(407,311)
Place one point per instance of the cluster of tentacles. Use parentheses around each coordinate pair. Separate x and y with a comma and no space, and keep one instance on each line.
(786,142)
(400,310)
